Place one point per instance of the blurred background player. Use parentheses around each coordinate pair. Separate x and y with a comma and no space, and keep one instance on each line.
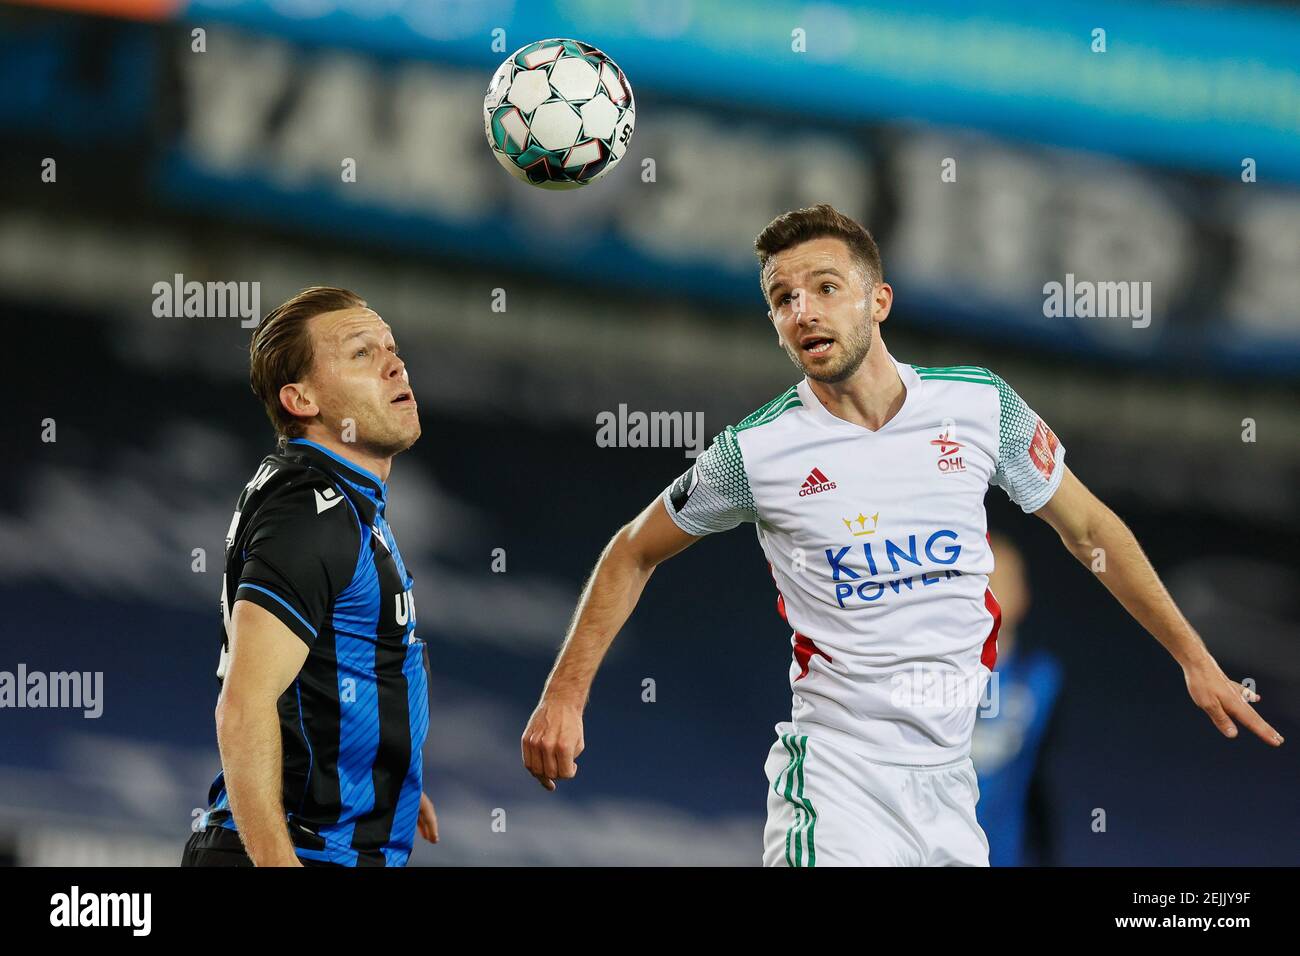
(1011,747)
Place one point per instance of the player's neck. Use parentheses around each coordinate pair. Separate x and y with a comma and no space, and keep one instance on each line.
(354,454)
(870,397)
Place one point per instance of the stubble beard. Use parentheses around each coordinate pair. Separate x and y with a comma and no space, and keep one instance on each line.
(382,438)
(857,346)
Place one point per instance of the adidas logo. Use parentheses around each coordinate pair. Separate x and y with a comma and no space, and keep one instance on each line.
(815,483)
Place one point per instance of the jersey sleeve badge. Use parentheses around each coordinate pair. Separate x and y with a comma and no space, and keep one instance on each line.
(1042,449)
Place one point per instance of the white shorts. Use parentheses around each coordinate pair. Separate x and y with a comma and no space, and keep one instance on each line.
(828,806)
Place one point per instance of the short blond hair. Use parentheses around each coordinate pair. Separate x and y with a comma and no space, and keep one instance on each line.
(281,351)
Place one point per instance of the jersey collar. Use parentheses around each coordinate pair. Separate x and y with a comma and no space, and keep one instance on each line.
(911,386)
(366,481)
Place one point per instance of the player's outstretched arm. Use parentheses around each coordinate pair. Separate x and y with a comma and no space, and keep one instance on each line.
(552,740)
(265,657)
(1091,531)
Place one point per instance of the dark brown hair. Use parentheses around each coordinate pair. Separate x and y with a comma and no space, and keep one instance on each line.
(281,352)
(791,228)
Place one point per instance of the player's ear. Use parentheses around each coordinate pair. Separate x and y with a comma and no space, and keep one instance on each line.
(296,401)
(881,295)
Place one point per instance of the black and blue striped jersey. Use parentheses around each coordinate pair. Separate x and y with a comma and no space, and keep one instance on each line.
(309,543)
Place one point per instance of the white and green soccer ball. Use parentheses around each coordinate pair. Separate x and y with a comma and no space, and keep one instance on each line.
(558,114)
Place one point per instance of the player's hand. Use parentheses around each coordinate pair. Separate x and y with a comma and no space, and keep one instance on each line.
(428,820)
(1223,699)
(552,742)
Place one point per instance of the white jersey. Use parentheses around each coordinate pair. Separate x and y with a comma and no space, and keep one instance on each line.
(877,541)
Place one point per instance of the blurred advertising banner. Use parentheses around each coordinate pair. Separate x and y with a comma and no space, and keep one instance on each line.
(1161,82)
(990,237)
(127,9)
(1035,246)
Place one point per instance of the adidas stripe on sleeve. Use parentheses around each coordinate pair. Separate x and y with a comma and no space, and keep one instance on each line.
(713,494)
(1031,460)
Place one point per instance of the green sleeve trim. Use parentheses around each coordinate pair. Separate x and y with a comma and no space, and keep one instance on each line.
(772,410)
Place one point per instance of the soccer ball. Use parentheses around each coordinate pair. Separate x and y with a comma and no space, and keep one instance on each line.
(558,114)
